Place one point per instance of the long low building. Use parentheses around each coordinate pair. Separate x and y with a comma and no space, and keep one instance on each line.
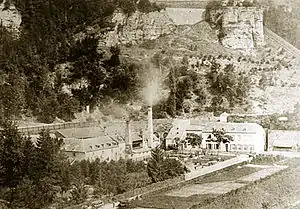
(91,143)
(246,137)
(283,140)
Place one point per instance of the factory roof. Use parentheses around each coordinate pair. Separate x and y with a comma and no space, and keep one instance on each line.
(89,144)
(81,133)
(181,126)
(233,127)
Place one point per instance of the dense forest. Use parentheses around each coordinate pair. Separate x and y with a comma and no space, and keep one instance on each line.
(31,84)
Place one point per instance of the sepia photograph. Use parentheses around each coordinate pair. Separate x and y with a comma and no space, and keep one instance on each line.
(149,104)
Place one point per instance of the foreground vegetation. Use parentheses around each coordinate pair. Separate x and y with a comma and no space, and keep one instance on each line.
(37,174)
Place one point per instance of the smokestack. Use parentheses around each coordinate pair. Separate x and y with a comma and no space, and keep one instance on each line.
(128,137)
(150,127)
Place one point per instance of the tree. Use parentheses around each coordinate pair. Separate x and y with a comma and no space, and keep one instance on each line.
(161,168)
(155,169)
(194,139)
(221,136)
(11,155)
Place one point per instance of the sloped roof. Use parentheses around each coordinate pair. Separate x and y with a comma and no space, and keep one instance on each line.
(284,143)
(233,127)
(81,133)
(284,134)
(89,144)
(178,129)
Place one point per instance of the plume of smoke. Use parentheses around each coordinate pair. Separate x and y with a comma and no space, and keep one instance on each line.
(152,92)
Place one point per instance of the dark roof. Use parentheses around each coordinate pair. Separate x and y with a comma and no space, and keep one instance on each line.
(81,133)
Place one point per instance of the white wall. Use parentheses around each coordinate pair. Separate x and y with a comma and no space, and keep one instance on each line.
(186,16)
(242,142)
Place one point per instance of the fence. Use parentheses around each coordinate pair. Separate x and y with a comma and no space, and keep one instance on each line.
(51,127)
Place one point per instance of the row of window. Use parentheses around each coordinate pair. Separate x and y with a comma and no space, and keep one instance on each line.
(102,145)
(233,147)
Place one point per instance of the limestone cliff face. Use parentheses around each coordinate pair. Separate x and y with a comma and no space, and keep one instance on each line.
(137,28)
(10,17)
(242,27)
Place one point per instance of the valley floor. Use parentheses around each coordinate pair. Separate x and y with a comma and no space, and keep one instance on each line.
(235,188)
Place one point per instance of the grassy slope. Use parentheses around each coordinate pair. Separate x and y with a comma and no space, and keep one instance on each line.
(277,191)
(161,200)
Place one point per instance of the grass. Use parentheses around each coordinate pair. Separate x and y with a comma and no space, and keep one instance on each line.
(228,174)
(277,191)
(161,200)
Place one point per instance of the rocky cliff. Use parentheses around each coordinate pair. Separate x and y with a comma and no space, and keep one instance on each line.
(133,29)
(240,27)
(10,17)
(139,27)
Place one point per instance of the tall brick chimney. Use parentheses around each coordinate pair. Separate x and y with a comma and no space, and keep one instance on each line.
(150,127)
(128,136)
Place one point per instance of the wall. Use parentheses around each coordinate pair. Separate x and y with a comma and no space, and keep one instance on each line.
(186,16)
(253,142)
(218,166)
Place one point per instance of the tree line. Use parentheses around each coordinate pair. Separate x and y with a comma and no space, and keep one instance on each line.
(30,81)
(36,173)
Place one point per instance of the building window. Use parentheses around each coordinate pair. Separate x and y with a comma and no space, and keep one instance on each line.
(233,147)
(208,146)
(216,146)
(74,154)
(245,148)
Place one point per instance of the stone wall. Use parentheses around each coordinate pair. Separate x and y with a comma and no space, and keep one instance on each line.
(242,27)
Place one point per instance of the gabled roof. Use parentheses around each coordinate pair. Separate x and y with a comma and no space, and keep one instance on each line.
(81,133)
(233,127)
(181,126)
(89,144)
(284,143)
(178,129)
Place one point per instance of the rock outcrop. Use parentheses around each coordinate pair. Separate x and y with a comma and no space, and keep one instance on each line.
(133,29)
(241,27)
(10,17)
(138,27)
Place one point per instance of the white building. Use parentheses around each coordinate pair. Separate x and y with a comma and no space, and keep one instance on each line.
(91,143)
(246,137)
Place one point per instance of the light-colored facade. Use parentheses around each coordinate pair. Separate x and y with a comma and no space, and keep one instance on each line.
(246,137)
(283,140)
(91,143)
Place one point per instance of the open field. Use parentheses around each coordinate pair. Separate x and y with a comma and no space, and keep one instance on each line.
(280,191)
(200,191)
(228,184)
